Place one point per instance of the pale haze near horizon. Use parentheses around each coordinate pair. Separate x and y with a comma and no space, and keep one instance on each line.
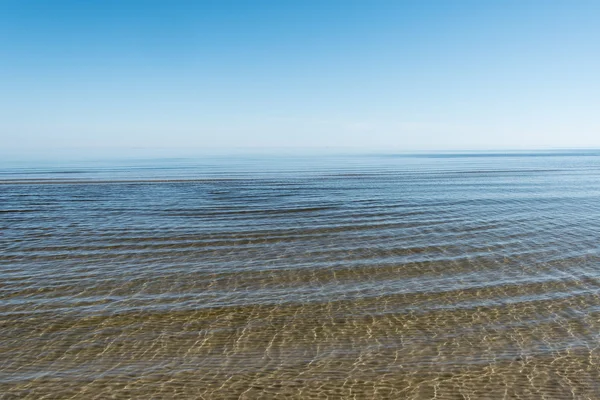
(402,75)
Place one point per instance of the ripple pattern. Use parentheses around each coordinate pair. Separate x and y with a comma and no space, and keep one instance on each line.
(453,277)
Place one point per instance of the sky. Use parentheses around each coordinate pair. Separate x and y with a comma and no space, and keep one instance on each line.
(404,75)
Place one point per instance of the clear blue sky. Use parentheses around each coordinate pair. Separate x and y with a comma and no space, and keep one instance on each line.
(406,75)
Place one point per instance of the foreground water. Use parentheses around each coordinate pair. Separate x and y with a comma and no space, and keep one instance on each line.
(443,276)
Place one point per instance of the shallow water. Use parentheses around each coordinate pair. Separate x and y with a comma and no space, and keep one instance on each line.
(444,276)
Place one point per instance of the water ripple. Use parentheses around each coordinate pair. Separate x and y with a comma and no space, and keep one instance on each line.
(434,276)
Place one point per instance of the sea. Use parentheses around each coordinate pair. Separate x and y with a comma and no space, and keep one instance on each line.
(449,275)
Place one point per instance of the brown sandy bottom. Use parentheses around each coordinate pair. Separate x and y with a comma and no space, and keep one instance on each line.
(524,350)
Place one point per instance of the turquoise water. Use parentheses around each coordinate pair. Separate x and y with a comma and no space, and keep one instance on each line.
(448,275)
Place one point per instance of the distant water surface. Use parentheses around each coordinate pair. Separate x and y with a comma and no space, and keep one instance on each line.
(448,276)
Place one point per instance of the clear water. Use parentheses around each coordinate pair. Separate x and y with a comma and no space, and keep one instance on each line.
(444,276)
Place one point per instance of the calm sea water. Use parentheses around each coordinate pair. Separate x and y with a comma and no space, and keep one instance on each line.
(443,276)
